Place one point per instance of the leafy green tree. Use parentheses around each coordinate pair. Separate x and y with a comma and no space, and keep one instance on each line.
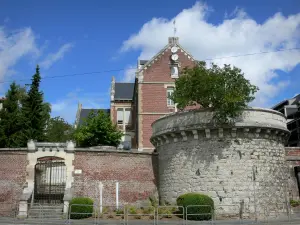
(98,129)
(35,111)
(224,89)
(58,130)
(11,119)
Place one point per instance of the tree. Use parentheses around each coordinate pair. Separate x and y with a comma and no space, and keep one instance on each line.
(98,129)
(36,112)
(58,130)
(11,119)
(225,90)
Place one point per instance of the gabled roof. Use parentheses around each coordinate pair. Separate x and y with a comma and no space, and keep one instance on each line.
(173,41)
(291,101)
(84,113)
(124,91)
(279,104)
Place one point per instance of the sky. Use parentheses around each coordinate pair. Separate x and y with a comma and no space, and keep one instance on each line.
(80,45)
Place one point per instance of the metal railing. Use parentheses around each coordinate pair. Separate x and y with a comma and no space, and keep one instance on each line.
(132,212)
(167,211)
(96,214)
(205,215)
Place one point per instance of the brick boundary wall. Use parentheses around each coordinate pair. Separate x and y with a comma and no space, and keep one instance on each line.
(293,160)
(13,164)
(135,172)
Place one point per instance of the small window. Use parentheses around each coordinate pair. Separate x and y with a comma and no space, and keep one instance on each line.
(174,71)
(120,116)
(170,91)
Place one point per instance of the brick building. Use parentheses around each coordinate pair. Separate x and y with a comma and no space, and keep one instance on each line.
(135,106)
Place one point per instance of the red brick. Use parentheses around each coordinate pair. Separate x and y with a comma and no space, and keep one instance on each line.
(136,174)
(154,96)
(12,178)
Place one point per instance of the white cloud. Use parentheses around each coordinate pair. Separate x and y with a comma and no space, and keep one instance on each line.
(237,34)
(14,46)
(66,107)
(54,57)
(129,74)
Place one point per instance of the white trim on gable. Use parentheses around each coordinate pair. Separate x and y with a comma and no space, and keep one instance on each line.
(139,73)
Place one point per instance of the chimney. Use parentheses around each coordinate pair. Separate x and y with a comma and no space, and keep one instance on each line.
(173,40)
(112,89)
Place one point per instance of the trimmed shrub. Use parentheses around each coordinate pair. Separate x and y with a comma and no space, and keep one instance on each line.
(294,203)
(189,199)
(81,205)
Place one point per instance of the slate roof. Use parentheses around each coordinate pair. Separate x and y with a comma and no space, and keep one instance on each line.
(292,101)
(84,113)
(143,62)
(124,91)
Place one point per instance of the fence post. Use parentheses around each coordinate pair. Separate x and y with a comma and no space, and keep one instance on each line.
(100,192)
(117,195)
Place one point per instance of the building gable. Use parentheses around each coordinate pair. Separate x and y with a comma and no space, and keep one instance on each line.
(164,61)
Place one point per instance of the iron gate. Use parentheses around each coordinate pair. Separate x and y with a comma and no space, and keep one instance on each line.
(50,180)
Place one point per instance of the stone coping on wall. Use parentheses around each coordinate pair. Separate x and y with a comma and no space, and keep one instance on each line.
(112,150)
(13,149)
(196,124)
(96,149)
(211,109)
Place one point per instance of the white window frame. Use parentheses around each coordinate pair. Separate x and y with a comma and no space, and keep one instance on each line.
(170,103)
(176,75)
(120,122)
(130,115)
(123,109)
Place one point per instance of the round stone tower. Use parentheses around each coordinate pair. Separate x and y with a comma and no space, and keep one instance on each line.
(241,165)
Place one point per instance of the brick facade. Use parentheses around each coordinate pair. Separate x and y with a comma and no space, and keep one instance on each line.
(135,172)
(293,161)
(12,179)
(153,91)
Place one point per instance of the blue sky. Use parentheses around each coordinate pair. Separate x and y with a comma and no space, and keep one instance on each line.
(75,37)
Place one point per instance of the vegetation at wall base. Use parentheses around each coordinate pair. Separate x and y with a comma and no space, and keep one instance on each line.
(81,205)
(294,203)
(98,129)
(189,199)
(225,90)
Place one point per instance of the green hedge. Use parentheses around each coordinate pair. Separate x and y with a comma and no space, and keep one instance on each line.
(196,199)
(81,205)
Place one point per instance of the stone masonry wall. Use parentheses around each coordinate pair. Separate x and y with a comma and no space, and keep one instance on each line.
(293,160)
(242,166)
(12,178)
(135,173)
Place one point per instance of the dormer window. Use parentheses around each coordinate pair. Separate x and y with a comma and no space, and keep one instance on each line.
(174,71)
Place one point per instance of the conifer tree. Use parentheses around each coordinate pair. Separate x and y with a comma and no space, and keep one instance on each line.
(10,118)
(35,111)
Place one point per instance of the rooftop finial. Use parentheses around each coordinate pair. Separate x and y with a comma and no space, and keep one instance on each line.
(174,27)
